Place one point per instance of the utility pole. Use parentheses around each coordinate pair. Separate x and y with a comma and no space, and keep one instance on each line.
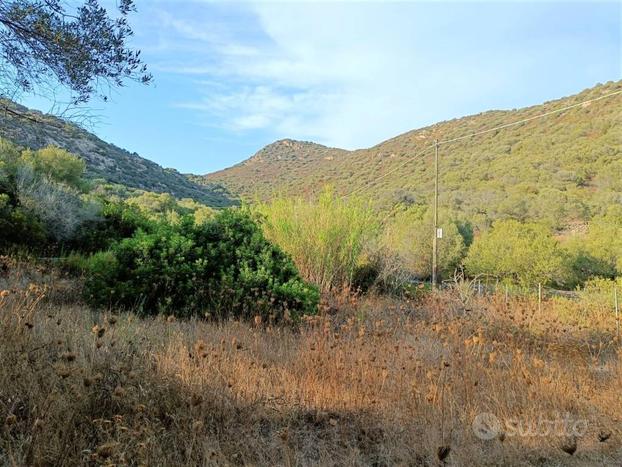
(615,304)
(435,239)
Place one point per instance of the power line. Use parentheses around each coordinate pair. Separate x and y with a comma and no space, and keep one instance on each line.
(546,114)
(410,159)
(477,133)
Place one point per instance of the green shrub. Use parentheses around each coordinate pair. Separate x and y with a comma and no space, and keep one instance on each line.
(57,164)
(74,263)
(598,252)
(19,227)
(223,267)
(42,197)
(598,293)
(524,253)
(163,206)
(60,208)
(117,221)
(328,238)
(409,237)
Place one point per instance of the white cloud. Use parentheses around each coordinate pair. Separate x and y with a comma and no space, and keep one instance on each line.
(350,75)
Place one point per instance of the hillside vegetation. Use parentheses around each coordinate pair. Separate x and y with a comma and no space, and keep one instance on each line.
(149,252)
(103,160)
(562,169)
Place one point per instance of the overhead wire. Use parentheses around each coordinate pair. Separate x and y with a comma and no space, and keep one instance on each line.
(524,120)
(478,133)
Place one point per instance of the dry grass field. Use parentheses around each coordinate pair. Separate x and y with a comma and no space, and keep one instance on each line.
(373,381)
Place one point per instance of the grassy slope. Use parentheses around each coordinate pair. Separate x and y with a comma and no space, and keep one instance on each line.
(566,166)
(105,160)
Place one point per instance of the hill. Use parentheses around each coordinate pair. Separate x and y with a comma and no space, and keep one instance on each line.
(277,167)
(563,168)
(103,160)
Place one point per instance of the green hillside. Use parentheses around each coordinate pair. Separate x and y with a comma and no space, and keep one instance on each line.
(564,168)
(103,160)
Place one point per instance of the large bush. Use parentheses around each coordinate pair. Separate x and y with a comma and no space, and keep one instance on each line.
(524,253)
(599,251)
(163,206)
(599,293)
(328,238)
(116,222)
(60,208)
(223,267)
(42,196)
(409,237)
(57,164)
(18,227)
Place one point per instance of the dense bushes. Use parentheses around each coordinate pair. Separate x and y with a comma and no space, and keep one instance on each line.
(163,206)
(222,267)
(156,253)
(340,243)
(60,207)
(42,196)
(116,221)
(598,292)
(17,226)
(599,251)
(328,238)
(524,253)
(145,250)
(409,236)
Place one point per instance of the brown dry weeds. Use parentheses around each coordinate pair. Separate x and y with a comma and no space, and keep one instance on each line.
(379,382)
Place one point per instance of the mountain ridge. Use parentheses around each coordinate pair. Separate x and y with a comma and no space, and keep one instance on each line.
(556,160)
(34,129)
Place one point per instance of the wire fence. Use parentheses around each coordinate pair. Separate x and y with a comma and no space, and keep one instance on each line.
(608,298)
(499,287)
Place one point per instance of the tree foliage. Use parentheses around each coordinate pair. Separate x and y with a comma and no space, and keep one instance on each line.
(83,49)
(43,194)
(58,164)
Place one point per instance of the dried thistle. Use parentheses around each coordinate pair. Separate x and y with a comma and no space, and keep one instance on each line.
(63,371)
(106,450)
(604,436)
(569,446)
(442,452)
(69,356)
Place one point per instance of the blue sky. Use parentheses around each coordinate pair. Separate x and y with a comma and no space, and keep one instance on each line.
(233,77)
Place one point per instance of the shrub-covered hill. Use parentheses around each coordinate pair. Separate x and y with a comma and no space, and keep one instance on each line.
(35,130)
(278,166)
(563,168)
